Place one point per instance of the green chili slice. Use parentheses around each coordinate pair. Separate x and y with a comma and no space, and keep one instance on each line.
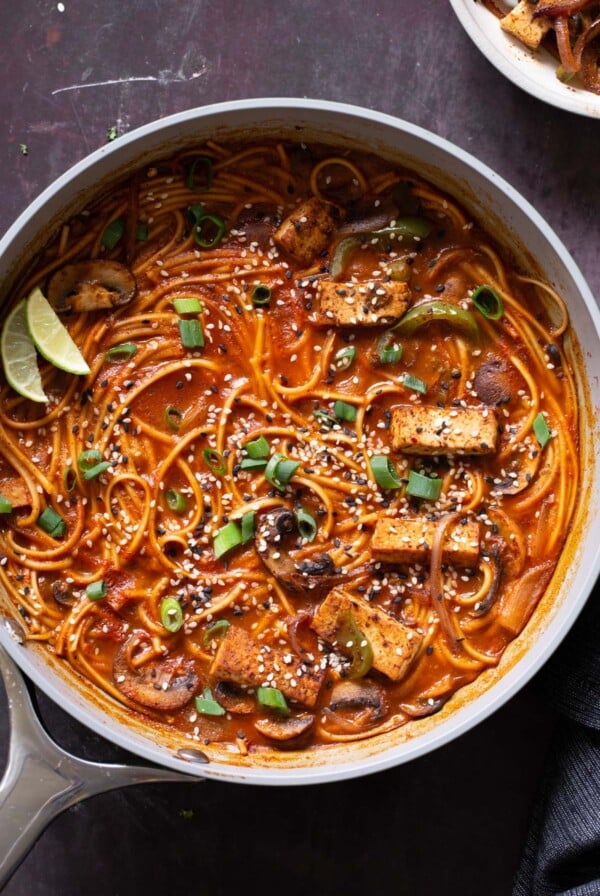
(191,177)
(413,382)
(113,233)
(141,233)
(280,470)
(407,226)
(191,333)
(307,524)
(122,352)
(420,486)
(200,230)
(206,705)
(433,311)
(52,523)
(248,526)
(260,295)
(344,358)
(273,699)
(171,614)
(187,305)
(400,270)
(385,473)
(388,350)
(488,302)
(342,254)
(350,638)
(253,463)
(175,501)
(214,460)
(96,590)
(541,430)
(5,505)
(344,411)
(173,417)
(257,448)
(227,538)
(216,630)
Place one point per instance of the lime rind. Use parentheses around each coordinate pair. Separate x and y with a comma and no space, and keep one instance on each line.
(50,336)
(19,356)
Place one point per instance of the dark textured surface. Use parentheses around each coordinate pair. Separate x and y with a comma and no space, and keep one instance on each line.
(449,823)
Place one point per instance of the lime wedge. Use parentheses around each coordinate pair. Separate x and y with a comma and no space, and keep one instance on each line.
(19,356)
(50,336)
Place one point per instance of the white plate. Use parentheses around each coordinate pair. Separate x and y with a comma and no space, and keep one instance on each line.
(532,70)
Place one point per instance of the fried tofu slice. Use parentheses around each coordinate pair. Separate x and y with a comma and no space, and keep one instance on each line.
(15,491)
(247,662)
(367,304)
(521,23)
(308,230)
(394,644)
(410,541)
(430,430)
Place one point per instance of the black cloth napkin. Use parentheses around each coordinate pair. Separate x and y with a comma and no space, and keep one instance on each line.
(561,856)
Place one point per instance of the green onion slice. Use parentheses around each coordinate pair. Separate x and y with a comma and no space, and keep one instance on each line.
(257,448)
(344,411)
(185,305)
(280,470)
(248,526)
(191,178)
(307,524)
(174,417)
(344,358)
(413,382)
(122,352)
(52,523)
(69,479)
(350,638)
(191,333)
(113,233)
(171,614)
(206,705)
(227,538)
(91,464)
(214,460)
(216,630)
(202,235)
(385,472)
(273,699)
(5,505)
(541,430)
(96,590)
(253,463)
(488,302)
(141,233)
(96,470)
(195,213)
(420,486)
(260,295)
(175,501)
(324,418)
(388,350)
(433,311)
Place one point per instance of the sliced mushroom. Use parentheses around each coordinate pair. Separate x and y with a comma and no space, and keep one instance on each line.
(62,594)
(91,286)
(356,705)
(234,698)
(497,382)
(520,471)
(161,684)
(423,708)
(285,728)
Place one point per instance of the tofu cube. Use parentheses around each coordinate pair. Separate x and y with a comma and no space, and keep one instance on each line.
(15,491)
(394,644)
(247,662)
(431,430)
(521,23)
(308,230)
(367,304)
(410,541)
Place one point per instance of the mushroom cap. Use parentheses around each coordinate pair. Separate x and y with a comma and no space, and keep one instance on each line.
(91,286)
(160,684)
(234,698)
(285,728)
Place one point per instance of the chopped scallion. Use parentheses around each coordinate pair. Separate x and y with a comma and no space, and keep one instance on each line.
(307,524)
(384,472)
(248,526)
(216,630)
(257,448)
(191,333)
(113,233)
(175,501)
(388,350)
(5,505)
(192,175)
(52,523)
(260,295)
(171,614)
(488,302)
(214,460)
(122,352)
(413,382)
(541,430)
(206,705)
(420,486)
(227,538)
(174,417)
(96,590)
(207,225)
(344,411)
(187,305)
(273,699)
(69,479)
(91,464)
(96,470)
(344,358)
(324,418)
(253,463)
(280,470)
(141,233)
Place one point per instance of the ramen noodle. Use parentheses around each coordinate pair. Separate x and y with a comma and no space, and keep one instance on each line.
(324,462)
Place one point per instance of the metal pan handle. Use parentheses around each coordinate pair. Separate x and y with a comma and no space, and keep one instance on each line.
(41,779)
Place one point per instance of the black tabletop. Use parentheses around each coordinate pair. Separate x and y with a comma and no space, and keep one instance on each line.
(453,821)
